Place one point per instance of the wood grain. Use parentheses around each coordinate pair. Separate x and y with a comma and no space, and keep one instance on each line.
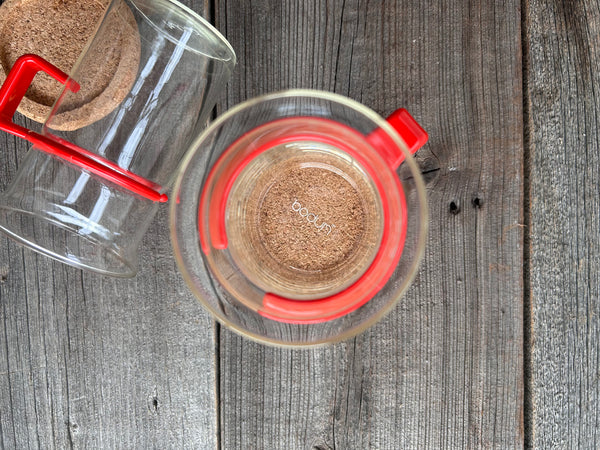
(93,362)
(445,369)
(564,119)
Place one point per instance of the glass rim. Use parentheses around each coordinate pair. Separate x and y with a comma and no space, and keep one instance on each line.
(200,22)
(420,189)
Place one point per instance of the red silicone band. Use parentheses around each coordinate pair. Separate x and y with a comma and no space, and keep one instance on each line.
(315,311)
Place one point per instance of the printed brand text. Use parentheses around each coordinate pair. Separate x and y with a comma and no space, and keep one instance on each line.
(311,217)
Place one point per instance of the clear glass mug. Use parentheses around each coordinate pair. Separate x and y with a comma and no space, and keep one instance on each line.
(291,223)
(141,91)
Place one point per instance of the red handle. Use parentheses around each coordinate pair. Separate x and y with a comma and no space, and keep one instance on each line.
(409,130)
(12,92)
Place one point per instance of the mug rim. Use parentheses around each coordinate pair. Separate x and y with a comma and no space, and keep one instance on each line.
(200,22)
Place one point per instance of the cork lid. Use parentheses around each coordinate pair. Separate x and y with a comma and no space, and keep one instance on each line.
(304,221)
(58,31)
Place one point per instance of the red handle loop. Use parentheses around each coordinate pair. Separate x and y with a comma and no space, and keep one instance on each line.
(409,130)
(12,92)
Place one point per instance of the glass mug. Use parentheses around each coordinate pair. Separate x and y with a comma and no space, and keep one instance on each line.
(290,222)
(138,95)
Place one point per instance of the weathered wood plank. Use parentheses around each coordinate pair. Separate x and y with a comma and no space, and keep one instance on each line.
(445,369)
(93,362)
(564,119)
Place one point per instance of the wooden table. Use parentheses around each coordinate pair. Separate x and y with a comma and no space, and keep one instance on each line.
(496,343)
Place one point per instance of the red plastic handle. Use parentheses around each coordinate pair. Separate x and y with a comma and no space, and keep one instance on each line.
(409,130)
(12,92)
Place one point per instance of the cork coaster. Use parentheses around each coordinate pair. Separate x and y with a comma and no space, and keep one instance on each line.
(303,221)
(58,31)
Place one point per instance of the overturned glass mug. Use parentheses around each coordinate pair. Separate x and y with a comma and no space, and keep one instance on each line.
(138,95)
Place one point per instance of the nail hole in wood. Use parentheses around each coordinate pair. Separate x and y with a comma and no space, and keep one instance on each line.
(454,207)
(477,202)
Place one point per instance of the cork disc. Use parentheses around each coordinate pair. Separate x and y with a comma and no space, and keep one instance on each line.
(304,220)
(58,31)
